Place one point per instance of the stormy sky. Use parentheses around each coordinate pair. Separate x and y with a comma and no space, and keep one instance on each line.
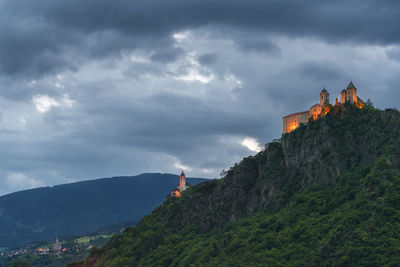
(100,88)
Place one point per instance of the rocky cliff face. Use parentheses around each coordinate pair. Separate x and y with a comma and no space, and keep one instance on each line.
(324,150)
(321,151)
(345,142)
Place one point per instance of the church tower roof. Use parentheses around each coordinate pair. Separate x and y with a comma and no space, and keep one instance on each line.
(351,86)
(182,173)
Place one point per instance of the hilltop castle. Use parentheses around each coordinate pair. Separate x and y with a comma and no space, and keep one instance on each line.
(348,95)
(183,185)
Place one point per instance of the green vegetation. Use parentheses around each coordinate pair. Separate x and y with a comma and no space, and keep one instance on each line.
(43,213)
(87,239)
(328,194)
(76,249)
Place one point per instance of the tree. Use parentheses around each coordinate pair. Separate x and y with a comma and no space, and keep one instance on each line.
(223,173)
(19,263)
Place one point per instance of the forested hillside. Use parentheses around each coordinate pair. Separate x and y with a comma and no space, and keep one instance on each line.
(80,208)
(327,194)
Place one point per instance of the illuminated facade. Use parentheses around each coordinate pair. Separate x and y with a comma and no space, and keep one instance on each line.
(348,95)
(183,185)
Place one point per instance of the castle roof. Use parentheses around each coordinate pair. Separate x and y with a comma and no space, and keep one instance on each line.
(350,86)
(297,113)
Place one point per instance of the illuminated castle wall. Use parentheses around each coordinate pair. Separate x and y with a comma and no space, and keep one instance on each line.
(348,95)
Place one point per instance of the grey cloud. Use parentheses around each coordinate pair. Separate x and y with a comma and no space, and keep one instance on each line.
(37,35)
(208,59)
(394,53)
(168,55)
(258,46)
(167,122)
(321,73)
(136,116)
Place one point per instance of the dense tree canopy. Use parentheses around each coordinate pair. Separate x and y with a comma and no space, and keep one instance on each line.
(313,217)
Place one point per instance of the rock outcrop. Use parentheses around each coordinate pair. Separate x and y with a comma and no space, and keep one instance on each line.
(361,145)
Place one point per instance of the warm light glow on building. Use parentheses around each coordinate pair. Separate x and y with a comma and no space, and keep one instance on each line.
(327,109)
(177,192)
(349,95)
(360,104)
(293,126)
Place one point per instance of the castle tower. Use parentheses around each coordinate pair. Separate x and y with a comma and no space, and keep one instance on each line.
(343,96)
(182,180)
(324,98)
(351,93)
(177,192)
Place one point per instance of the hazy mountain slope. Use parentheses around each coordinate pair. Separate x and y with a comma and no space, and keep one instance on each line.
(327,194)
(82,207)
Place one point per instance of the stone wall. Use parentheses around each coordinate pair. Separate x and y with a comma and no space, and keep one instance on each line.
(293,121)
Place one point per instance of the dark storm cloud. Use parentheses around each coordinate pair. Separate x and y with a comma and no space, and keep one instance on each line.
(321,73)
(146,98)
(168,117)
(45,36)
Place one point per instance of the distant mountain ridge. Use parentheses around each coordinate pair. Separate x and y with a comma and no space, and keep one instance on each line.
(81,207)
(325,194)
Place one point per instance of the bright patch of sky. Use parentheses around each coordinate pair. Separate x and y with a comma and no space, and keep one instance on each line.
(180,166)
(251,144)
(45,103)
(18,180)
(193,75)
